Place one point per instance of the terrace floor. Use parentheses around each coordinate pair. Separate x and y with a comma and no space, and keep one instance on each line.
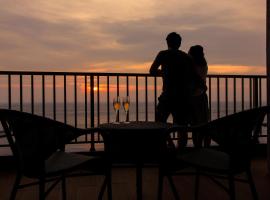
(124,186)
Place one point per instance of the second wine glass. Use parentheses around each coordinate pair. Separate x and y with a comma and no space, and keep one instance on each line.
(126,104)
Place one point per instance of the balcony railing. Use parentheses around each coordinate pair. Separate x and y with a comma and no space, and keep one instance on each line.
(85,99)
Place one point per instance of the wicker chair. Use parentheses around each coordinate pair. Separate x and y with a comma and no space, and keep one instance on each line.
(234,136)
(37,144)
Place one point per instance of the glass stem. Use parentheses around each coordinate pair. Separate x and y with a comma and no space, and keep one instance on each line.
(117,116)
(127,118)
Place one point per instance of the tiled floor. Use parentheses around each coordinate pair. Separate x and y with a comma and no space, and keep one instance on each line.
(124,186)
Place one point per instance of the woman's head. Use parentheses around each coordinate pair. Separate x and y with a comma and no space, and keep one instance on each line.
(196,51)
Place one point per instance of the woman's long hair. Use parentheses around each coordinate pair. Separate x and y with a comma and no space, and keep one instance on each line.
(196,52)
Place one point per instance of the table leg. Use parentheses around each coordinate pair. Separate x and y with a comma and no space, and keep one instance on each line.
(139,181)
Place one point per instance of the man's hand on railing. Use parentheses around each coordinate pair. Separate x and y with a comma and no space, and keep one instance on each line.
(156,72)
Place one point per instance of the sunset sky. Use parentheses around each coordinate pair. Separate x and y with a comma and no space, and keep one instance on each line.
(125,36)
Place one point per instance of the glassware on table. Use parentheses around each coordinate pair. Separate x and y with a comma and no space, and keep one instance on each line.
(126,104)
(116,107)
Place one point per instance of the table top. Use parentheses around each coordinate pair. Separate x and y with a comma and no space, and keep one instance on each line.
(134,141)
(135,125)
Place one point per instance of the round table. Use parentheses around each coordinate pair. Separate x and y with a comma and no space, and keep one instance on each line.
(134,142)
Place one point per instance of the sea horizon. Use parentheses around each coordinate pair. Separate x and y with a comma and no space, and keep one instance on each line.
(82,109)
(102,117)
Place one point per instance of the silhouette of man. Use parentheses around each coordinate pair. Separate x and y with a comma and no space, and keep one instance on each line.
(176,70)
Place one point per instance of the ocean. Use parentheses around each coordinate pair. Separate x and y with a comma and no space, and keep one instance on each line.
(102,112)
(83,120)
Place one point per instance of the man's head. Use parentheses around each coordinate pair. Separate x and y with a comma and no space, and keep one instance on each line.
(174,40)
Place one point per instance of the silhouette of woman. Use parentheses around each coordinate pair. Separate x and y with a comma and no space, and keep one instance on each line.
(199,100)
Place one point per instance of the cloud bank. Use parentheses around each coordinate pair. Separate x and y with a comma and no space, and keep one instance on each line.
(115,36)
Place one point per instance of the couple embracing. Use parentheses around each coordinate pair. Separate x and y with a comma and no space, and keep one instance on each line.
(184,86)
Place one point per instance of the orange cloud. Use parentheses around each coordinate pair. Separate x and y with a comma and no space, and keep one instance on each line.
(236,69)
(212,69)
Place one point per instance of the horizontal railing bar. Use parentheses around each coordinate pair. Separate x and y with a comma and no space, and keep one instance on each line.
(116,74)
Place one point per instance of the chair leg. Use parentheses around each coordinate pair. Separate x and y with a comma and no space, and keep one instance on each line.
(102,189)
(15,186)
(160,184)
(64,194)
(231,187)
(109,184)
(252,185)
(42,188)
(197,183)
(175,193)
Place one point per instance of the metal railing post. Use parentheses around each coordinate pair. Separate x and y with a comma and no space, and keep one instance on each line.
(92,111)
(255,93)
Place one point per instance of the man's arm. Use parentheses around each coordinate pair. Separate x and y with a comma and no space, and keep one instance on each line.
(154,67)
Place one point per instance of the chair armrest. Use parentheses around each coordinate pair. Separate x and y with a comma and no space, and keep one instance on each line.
(179,128)
(87,131)
(202,128)
(198,131)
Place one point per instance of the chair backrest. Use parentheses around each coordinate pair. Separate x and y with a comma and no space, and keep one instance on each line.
(238,128)
(34,138)
(235,133)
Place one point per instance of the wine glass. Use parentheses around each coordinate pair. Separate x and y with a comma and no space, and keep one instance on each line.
(116,106)
(126,104)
